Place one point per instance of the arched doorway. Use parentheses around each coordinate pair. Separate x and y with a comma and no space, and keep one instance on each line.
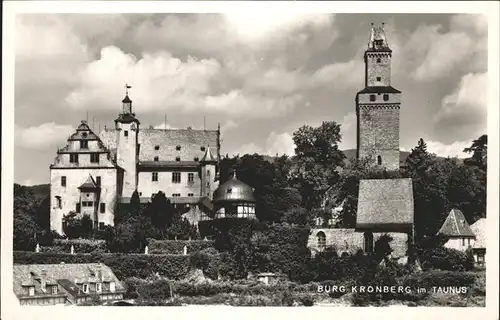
(321,237)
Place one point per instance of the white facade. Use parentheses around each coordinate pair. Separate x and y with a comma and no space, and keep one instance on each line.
(459,243)
(94,172)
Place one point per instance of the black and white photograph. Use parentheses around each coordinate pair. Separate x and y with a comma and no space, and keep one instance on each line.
(251,158)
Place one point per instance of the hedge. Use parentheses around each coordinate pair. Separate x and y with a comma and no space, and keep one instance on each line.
(177,246)
(79,245)
(123,265)
(444,259)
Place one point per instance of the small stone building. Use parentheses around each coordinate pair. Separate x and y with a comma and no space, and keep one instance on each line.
(479,247)
(385,206)
(458,232)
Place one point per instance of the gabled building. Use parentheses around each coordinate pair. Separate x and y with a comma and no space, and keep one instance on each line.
(94,173)
(51,284)
(479,247)
(458,232)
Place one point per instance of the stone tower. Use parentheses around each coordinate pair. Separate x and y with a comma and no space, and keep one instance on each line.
(377,105)
(208,173)
(127,130)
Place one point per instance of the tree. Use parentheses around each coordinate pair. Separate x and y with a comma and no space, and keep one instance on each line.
(317,160)
(419,160)
(72,225)
(25,230)
(479,150)
(161,212)
(86,225)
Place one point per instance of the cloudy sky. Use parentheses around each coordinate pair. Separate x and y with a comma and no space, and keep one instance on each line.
(261,77)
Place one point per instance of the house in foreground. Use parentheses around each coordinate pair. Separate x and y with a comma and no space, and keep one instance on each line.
(479,247)
(60,284)
(457,231)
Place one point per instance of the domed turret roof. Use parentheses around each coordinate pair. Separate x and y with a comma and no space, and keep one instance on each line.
(234,190)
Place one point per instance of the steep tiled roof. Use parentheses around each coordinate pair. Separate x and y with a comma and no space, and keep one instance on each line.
(208,157)
(385,204)
(455,225)
(192,143)
(89,183)
(479,229)
(24,273)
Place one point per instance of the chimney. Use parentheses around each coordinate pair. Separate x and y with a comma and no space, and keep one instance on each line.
(99,272)
(43,280)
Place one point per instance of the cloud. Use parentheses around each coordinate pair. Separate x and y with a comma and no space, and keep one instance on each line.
(454,149)
(434,53)
(276,144)
(340,75)
(44,136)
(228,126)
(348,131)
(466,107)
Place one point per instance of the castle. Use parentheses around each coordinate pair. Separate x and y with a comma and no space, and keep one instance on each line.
(385,206)
(94,173)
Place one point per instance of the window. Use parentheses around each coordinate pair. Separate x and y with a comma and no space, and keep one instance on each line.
(101,225)
(86,288)
(31,291)
(463,242)
(73,158)
(154,176)
(54,289)
(58,202)
(190,194)
(480,259)
(84,144)
(229,190)
(125,133)
(157,147)
(208,173)
(84,134)
(176,177)
(386,97)
(379,160)
(112,286)
(63,181)
(140,193)
(98,287)
(78,208)
(379,78)
(178,148)
(379,60)
(372,97)
(190,177)
(196,159)
(202,148)
(94,158)
(321,239)
(177,158)
(176,195)
(102,207)
(98,180)
(156,158)
(87,203)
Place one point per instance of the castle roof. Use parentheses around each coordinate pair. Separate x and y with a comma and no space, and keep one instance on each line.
(479,229)
(456,225)
(378,41)
(89,184)
(63,274)
(208,157)
(379,89)
(234,190)
(168,145)
(385,204)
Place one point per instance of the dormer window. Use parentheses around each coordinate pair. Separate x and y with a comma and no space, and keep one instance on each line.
(202,148)
(84,134)
(177,158)
(98,287)
(156,158)
(85,288)
(31,291)
(196,159)
(157,147)
(178,148)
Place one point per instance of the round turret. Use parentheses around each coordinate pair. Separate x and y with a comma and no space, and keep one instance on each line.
(234,199)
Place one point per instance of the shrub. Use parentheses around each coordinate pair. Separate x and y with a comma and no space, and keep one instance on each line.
(155,290)
(177,246)
(79,245)
(123,265)
(439,278)
(444,259)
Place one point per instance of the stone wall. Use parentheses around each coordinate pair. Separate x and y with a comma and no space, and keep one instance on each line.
(376,69)
(399,244)
(147,187)
(343,240)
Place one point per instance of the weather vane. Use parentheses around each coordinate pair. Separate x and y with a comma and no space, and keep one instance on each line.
(126,88)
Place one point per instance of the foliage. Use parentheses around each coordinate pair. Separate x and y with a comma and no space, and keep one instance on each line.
(75,227)
(439,278)
(445,259)
(177,246)
(123,265)
(79,245)
(479,150)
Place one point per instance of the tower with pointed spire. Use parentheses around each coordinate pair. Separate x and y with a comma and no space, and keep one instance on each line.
(378,105)
(127,134)
(208,173)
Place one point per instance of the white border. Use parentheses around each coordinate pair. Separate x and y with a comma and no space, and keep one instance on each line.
(10,307)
